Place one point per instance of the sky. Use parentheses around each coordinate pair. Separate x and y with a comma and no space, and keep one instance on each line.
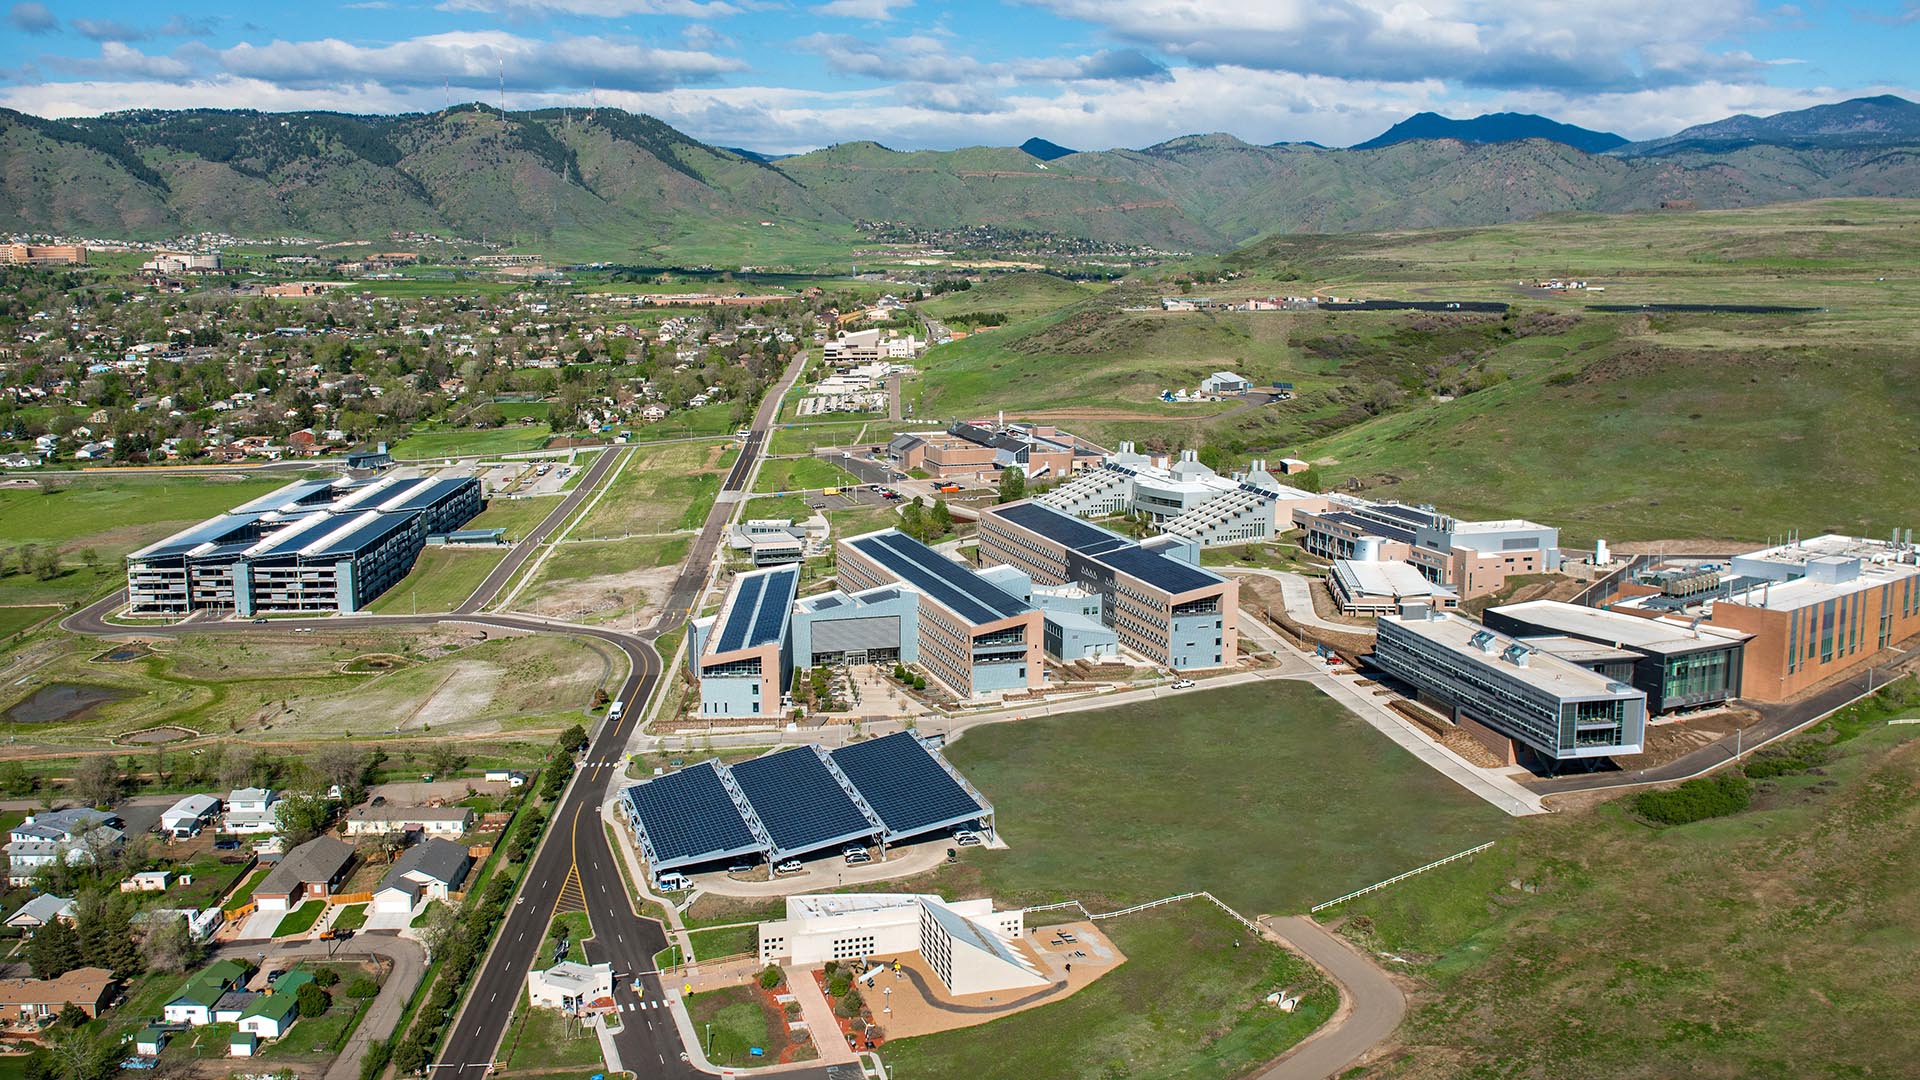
(783,76)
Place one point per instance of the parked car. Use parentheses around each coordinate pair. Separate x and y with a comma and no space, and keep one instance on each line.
(226,845)
(967,838)
(791,866)
(1182,684)
(855,855)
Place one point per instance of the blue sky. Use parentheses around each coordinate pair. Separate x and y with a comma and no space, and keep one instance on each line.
(788,75)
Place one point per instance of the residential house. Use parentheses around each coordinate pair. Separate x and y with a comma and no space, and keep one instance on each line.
(311,871)
(428,871)
(184,819)
(40,911)
(251,810)
(269,1015)
(193,1005)
(70,835)
(37,999)
(450,821)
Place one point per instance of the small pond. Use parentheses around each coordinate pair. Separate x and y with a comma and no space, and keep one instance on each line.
(61,701)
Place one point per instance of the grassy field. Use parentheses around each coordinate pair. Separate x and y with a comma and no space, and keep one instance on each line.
(1270,796)
(800,474)
(544,1041)
(1623,425)
(1015,296)
(517,516)
(603,580)
(297,688)
(245,893)
(715,419)
(659,490)
(737,1023)
(430,442)
(1187,1003)
(15,619)
(110,514)
(1779,942)
(440,580)
(805,438)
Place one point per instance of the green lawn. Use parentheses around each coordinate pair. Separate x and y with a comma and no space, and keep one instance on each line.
(15,619)
(1270,795)
(440,579)
(351,917)
(517,516)
(660,489)
(312,1037)
(1187,1003)
(800,474)
(543,1040)
(790,507)
(300,919)
(731,941)
(245,892)
(578,929)
(1782,941)
(731,1021)
(111,514)
(514,438)
(804,438)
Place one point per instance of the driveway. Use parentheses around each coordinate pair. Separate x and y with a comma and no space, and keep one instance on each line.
(1371,1005)
(407,966)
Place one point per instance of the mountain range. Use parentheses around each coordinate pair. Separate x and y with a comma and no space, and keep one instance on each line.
(1494,128)
(610,184)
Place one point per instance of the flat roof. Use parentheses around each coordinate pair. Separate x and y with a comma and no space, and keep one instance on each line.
(955,587)
(300,493)
(1108,547)
(211,531)
(1392,577)
(1544,671)
(1617,628)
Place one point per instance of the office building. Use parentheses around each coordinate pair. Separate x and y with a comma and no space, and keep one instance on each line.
(1510,695)
(981,451)
(974,637)
(1472,558)
(743,655)
(312,547)
(877,626)
(1386,587)
(43,254)
(1186,498)
(1155,596)
(1818,609)
(969,946)
(1678,663)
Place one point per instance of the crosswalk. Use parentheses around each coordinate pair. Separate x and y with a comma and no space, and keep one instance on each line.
(649,1003)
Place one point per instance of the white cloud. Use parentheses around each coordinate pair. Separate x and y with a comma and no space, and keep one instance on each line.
(605,9)
(872,10)
(477,60)
(1620,46)
(117,60)
(30,18)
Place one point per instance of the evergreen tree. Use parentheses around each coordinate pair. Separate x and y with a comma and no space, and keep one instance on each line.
(54,950)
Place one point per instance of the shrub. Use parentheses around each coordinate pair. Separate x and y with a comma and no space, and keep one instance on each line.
(770,977)
(312,1001)
(362,987)
(325,977)
(1695,800)
(850,1005)
(1796,757)
(839,984)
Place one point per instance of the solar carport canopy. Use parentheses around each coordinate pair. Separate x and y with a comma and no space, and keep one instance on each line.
(688,817)
(801,802)
(907,786)
(798,801)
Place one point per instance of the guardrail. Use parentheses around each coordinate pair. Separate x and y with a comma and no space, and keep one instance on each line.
(1317,908)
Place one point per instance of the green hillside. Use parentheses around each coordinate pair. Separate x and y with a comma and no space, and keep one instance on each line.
(1015,296)
(607,184)
(1621,425)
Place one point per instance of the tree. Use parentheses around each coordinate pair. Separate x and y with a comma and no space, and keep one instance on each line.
(170,947)
(344,766)
(409,1058)
(238,765)
(445,759)
(303,817)
(54,950)
(941,521)
(71,1016)
(312,1001)
(443,922)
(1013,484)
(573,740)
(97,780)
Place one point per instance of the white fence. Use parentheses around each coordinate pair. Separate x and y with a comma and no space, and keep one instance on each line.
(1317,908)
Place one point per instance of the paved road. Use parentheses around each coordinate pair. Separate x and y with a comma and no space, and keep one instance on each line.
(408,965)
(1371,1006)
(517,558)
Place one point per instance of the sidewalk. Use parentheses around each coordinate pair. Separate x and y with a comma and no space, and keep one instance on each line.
(817,1011)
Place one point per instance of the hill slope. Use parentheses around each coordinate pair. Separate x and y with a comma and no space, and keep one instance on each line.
(1493,128)
(1862,122)
(610,184)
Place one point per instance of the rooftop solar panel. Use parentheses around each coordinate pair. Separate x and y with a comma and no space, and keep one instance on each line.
(1157,570)
(953,585)
(1061,528)
(904,784)
(369,532)
(740,616)
(688,817)
(800,802)
(776,601)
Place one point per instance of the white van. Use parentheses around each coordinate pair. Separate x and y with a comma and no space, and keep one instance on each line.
(614,710)
(674,882)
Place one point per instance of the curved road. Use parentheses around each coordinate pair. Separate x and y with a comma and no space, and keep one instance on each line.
(1371,1006)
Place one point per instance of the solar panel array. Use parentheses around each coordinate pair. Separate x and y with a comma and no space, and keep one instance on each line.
(953,585)
(1062,528)
(903,783)
(1158,570)
(689,815)
(740,615)
(776,600)
(794,800)
(799,801)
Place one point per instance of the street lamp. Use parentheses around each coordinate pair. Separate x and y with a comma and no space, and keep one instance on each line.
(709,1040)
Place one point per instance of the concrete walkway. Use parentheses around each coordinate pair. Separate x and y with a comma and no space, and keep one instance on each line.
(1297,593)
(1371,1006)
(817,1011)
